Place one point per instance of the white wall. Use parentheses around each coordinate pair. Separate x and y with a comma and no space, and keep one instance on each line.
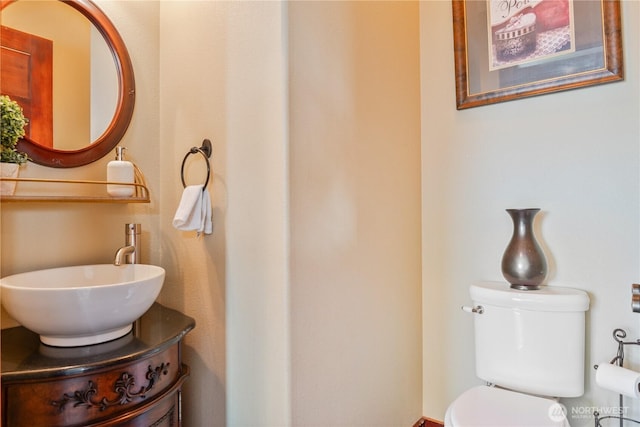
(191,104)
(575,155)
(258,340)
(355,213)
(263,342)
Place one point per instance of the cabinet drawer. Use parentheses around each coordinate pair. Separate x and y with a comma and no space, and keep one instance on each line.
(86,399)
(162,411)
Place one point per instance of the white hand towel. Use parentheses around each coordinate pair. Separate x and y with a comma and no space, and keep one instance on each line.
(207,224)
(194,211)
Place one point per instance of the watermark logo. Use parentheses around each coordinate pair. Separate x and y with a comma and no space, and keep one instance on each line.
(601,411)
(557,412)
(577,414)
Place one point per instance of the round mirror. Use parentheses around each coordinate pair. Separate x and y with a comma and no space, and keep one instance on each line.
(78,87)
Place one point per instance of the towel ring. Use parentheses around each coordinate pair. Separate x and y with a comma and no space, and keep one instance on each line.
(205,150)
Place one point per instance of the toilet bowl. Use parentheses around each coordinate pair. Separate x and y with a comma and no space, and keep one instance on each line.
(529,345)
(485,406)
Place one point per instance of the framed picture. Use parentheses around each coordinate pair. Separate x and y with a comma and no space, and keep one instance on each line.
(510,49)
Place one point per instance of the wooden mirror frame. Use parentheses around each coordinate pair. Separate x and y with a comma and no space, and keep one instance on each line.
(124,107)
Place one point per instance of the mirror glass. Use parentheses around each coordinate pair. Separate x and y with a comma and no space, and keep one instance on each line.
(85,80)
(80,76)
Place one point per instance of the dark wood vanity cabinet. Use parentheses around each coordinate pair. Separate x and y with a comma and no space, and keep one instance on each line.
(133,381)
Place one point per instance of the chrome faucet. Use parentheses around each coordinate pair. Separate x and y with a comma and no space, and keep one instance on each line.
(130,253)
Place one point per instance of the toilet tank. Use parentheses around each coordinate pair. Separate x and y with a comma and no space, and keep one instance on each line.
(531,341)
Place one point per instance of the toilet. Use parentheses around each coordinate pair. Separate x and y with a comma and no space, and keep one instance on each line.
(529,348)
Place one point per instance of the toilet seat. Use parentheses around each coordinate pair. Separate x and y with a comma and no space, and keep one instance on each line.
(496,407)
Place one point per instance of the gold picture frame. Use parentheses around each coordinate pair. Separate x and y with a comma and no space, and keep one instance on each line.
(497,63)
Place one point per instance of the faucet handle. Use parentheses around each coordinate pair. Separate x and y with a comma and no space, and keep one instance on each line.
(132,237)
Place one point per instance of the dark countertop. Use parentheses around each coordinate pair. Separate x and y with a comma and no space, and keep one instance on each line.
(25,357)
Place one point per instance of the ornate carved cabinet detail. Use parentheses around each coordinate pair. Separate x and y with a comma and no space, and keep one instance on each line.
(133,381)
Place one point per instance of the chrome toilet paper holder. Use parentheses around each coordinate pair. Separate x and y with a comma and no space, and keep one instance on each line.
(618,335)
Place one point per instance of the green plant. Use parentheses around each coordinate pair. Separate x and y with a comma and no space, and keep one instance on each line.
(12,123)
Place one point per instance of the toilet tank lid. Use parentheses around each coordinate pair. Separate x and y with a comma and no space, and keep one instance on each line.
(546,298)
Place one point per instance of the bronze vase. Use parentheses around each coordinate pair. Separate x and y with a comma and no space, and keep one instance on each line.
(523,263)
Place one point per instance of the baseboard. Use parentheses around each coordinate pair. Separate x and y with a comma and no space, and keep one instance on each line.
(428,422)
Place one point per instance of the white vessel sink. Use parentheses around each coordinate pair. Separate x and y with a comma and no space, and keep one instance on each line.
(81,305)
